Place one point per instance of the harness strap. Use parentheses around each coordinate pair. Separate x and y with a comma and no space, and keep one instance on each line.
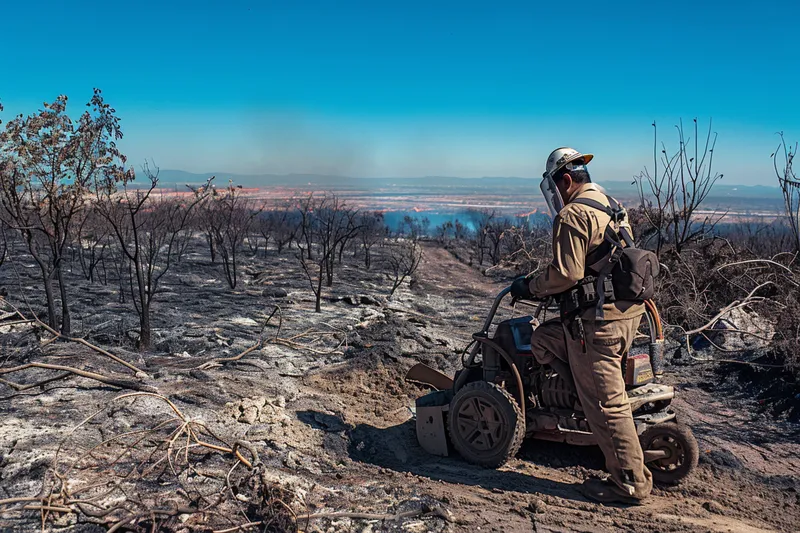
(584,293)
(601,278)
(611,244)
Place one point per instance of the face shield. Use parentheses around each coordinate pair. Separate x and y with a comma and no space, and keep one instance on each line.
(551,196)
(550,192)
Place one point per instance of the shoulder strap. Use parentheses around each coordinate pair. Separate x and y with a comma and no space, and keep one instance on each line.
(596,205)
(616,213)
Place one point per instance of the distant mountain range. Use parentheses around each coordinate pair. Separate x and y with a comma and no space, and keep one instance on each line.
(179,178)
(304,180)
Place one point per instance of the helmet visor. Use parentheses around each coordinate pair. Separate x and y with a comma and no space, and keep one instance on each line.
(551,196)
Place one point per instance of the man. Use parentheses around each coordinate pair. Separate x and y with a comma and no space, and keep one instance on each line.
(591,338)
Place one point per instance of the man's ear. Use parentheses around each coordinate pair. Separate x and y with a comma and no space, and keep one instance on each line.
(565,184)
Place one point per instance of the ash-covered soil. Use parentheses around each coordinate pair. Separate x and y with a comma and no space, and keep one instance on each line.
(326,411)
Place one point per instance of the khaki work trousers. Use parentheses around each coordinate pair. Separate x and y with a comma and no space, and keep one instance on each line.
(601,390)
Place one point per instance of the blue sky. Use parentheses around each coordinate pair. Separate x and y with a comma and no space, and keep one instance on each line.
(414,88)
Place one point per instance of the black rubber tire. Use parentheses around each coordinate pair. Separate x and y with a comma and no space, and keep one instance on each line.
(475,408)
(678,439)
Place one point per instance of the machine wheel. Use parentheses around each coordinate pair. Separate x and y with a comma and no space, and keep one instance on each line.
(681,447)
(485,424)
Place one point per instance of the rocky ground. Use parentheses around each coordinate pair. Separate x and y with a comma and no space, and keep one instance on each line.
(322,403)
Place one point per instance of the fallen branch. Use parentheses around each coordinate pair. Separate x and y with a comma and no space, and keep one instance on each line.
(748,300)
(116,382)
(240,527)
(716,346)
(192,435)
(175,511)
(310,333)
(91,346)
(299,346)
(219,361)
(19,387)
(144,450)
(9,501)
(58,509)
(84,342)
(288,342)
(750,261)
(17,322)
(222,360)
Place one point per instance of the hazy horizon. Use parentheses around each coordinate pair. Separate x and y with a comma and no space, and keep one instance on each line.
(171,176)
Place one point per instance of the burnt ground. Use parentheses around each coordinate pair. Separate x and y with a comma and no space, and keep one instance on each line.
(328,414)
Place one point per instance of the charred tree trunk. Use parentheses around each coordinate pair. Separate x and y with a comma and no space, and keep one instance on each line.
(144,328)
(144,291)
(51,303)
(105,272)
(210,241)
(318,303)
(329,259)
(229,268)
(66,323)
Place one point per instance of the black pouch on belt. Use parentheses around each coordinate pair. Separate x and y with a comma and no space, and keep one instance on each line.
(574,325)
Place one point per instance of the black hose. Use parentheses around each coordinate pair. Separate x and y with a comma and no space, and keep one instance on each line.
(463,362)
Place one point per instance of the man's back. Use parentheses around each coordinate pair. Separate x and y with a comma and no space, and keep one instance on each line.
(578,230)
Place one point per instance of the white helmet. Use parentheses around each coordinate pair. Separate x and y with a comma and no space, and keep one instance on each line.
(558,159)
(561,157)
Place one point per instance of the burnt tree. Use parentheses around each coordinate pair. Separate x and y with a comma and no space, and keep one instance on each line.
(402,260)
(782,159)
(481,219)
(372,230)
(331,222)
(305,207)
(284,227)
(672,194)
(496,230)
(49,166)
(444,232)
(229,217)
(5,242)
(93,238)
(148,227)
(336,223)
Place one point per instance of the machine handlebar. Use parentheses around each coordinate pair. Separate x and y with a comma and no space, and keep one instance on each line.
(499,298)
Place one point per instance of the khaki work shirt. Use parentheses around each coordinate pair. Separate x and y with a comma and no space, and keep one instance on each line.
(577,230)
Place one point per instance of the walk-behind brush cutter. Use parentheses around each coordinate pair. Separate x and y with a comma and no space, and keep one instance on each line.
(503,395)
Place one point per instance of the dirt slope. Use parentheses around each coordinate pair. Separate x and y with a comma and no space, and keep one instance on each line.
(329,418)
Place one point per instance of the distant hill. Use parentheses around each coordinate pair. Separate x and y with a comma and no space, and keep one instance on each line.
(170,177)
(179,178)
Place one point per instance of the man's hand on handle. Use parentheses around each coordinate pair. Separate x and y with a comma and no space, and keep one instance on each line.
(520,288)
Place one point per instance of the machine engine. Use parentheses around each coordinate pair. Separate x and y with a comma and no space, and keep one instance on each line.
(546,388)
(555,391)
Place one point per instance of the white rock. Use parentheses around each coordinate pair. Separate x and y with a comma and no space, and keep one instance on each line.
(758,330)
(243,321)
